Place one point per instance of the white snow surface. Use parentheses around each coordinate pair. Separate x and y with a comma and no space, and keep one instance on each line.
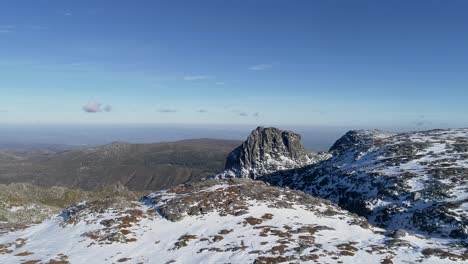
(298,234)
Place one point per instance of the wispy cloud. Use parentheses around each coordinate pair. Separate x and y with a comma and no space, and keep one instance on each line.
(202,111)
(3,111)
(67,14)
(246,114)
(220,83)
(96,107)
(167,111)
(197,77)
(260,67)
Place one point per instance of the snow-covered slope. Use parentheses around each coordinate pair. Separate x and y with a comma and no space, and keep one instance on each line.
(414,181)
(268,150)
(217,221)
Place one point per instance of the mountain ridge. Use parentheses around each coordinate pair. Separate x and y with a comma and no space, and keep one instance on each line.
(236,220)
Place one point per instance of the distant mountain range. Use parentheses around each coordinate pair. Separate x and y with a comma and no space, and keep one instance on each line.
(135,166)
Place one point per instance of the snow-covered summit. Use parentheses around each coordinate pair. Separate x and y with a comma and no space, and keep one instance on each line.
(415,181)
(217,221)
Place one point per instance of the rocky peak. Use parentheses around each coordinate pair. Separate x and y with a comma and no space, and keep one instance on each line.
(358,138)
(268,150)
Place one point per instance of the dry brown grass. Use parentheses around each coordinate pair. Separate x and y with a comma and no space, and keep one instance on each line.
(182,241)
(25,253)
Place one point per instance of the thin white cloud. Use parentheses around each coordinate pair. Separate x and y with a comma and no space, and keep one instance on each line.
(197,77)
(260,67)
(96,107)
(220,83)
(67,14)
(202,111)
(167,111)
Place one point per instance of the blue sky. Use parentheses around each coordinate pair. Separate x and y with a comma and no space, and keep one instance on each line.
(306,63)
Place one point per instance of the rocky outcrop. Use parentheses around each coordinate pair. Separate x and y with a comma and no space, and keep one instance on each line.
(414,181)
(358,139)
(267,150)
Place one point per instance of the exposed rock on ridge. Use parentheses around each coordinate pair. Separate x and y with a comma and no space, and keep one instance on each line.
(267,150)
(415,181)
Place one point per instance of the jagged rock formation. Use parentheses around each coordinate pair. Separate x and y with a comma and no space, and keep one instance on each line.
(267,150)
(217,221)
(414,181)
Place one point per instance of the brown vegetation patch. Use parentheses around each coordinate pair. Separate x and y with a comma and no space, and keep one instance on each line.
(10,247)
(437,252)
(60,259)
(387,260)
(125,231)
(267,217)
(25,253)
(217,238)
(281,249)
(128,220)
(35,261)
(347,247)
(271,260)
(182,241)
(53,261)
(309,257)
(225,231)
(253,221)
(346,253)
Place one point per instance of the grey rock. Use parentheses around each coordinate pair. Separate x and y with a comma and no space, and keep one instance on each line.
(268,150)
(399,233)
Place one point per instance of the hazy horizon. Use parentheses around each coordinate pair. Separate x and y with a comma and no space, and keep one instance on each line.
(72,136)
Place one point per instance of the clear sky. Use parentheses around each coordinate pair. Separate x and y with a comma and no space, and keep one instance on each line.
(266,62)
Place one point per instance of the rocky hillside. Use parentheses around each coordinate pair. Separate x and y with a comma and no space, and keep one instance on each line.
(136,166)
(217,221)
(412,181)
(22,203)
(267,150)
